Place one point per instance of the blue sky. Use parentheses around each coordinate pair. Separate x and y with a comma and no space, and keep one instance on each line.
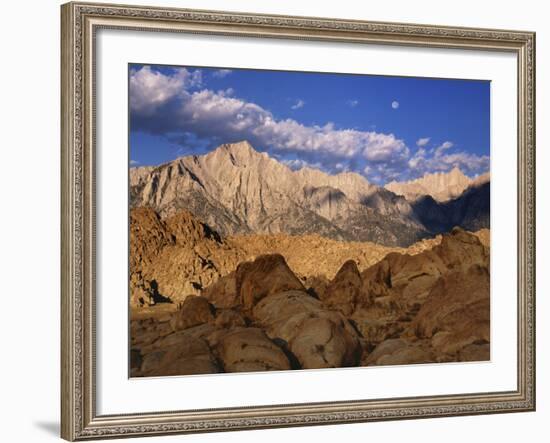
(385,128)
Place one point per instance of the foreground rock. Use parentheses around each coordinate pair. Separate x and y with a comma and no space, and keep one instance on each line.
(188,356)
(344,292)
(268,274)
(457,311)
(250,350)
(195,310)
(430,307)
(316,336)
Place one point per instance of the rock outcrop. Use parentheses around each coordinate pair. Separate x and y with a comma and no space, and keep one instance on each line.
(195,310)
(318,337)
(173,258)
(179,256)
(344,292)
(457,311)
(249,350)
(266,275)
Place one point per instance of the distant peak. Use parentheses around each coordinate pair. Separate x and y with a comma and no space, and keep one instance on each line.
(456,171)
(242,146)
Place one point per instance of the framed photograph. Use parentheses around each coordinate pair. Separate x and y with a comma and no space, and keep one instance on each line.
(282,221)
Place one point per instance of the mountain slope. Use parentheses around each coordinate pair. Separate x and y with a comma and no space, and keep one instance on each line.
(238,190)
(471,210)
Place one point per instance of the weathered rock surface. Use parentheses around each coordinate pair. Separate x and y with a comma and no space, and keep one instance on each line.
(180,256)
(195,310)
(316,336)
(431,305)
(401,352)
(190,356)
(249,350)
(344,292)
(457,312)
(266,275)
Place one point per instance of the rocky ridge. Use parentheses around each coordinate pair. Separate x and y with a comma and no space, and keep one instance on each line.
(237,190)
(178,256)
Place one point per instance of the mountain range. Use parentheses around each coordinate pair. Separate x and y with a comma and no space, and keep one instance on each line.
(441,186)
(237,190)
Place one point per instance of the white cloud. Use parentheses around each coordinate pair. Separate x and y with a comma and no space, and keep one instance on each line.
(438,160)
(341,167)
(353,103)
(152,89)
(423,141)
(395,104)
(173,103)
(208,113)
(299,104)
(134,162)
(442,148)
(296,164)
(221,73)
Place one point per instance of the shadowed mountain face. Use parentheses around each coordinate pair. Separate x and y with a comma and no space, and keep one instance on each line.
(471,210)
(237,190)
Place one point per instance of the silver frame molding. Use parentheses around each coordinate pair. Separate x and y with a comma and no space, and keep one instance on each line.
(79,22)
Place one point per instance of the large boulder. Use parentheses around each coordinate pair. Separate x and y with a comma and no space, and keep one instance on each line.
(400,352)
(460,249)
(223,293)
(457,311)
(412,277)
(316,336)
(344,292)
(377,278)
(229,318)
(266,275)
(194,311)
(249,350)
(189,356)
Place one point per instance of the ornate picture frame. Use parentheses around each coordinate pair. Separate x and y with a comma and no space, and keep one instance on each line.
(80,23)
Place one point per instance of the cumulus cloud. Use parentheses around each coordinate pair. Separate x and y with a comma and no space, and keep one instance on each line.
(299,104)
(395,104)
(353,103)
(151,89)
(134,162)
(442,148)
(423,141)
(221,73)
(438,160)
(179,106)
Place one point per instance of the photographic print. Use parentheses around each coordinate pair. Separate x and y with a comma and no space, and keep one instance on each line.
(286,220)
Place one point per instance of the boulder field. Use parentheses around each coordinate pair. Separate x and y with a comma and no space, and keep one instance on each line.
(431,307)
